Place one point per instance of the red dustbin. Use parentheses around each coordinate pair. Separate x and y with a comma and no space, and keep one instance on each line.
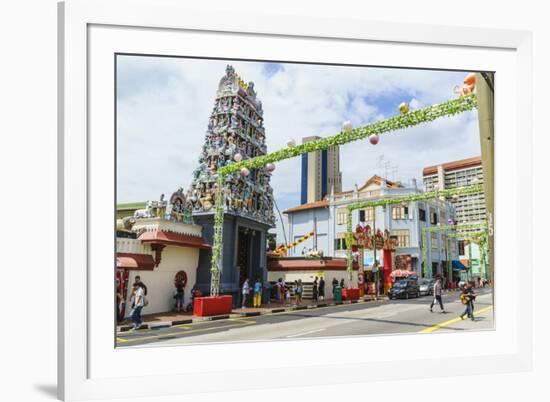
(212,305)
(350,294)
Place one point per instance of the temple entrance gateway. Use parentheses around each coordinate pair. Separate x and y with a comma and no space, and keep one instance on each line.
(240,205)
(243,256)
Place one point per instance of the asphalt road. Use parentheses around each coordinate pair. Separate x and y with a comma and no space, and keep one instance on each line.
(370,318)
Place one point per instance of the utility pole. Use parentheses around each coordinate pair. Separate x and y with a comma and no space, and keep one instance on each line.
(375,263)
(485,84)
(469,272)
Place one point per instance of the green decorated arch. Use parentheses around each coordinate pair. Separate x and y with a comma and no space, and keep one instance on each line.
(411,119)
(460,191)
(481,238)
(460,232)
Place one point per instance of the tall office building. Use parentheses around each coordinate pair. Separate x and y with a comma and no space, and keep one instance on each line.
(320,172)
(469,208)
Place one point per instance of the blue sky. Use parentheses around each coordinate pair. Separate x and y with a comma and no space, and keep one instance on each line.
(163,106)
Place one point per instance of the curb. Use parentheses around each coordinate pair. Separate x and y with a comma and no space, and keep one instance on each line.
(167,324)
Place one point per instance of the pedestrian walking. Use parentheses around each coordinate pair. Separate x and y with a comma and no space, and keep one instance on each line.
(342,283)
(137,281)
(437,295)
(467,297)
(138,296)
(257,293)
(299,290)
(119,302)
(321,289)
(245,292)
(315,289)
(334,285)
(179,296)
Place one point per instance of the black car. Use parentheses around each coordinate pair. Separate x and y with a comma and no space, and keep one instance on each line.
(404,289)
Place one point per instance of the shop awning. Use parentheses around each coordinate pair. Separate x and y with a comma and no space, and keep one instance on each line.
(173,239)
(402,273)
(136,262)
(458,266)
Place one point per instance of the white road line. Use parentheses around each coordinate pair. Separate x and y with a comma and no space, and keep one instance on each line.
(306,333)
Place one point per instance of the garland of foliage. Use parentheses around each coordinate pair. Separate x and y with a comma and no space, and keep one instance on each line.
(480,237)
(459,191)
(218,238)
(459,230)
(402,199)
(411,119)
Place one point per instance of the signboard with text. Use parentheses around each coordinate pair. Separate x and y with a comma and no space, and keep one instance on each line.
(368,258)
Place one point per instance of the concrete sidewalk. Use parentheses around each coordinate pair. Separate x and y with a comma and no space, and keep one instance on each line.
(164,320)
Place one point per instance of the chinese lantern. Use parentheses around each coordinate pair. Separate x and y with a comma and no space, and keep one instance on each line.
(291,143)
(373,139)
(455,198)
(244,172)
(238,157)
(404,108)
(270,167)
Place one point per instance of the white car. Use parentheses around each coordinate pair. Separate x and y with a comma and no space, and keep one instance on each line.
(426,286)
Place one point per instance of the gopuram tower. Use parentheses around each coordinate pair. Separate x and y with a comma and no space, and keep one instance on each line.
(235,132)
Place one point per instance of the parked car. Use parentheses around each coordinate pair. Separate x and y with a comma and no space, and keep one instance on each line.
(404,289)
(426,287)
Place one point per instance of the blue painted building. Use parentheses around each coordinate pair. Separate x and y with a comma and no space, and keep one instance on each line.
(327,218)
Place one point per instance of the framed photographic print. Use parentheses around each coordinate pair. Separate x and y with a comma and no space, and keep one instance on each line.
(238,188)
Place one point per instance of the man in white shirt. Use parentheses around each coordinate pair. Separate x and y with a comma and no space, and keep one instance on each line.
(139,299)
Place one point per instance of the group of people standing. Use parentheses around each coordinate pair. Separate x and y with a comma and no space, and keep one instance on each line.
(256,291)
(283,291)
(318,289)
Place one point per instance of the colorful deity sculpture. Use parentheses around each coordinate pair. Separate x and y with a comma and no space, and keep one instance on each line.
(234,132)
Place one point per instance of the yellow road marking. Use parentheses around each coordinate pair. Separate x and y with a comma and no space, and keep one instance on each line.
(444,324)
(172,334)
(121,340)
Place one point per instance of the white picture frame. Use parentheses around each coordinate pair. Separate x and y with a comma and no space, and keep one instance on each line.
(92,31)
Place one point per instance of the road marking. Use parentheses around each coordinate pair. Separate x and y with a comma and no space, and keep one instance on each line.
(245,319)
(306,333)
(172,334)
(121,340)
(444,324)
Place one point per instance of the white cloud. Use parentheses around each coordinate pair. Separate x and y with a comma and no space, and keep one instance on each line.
(164,105)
